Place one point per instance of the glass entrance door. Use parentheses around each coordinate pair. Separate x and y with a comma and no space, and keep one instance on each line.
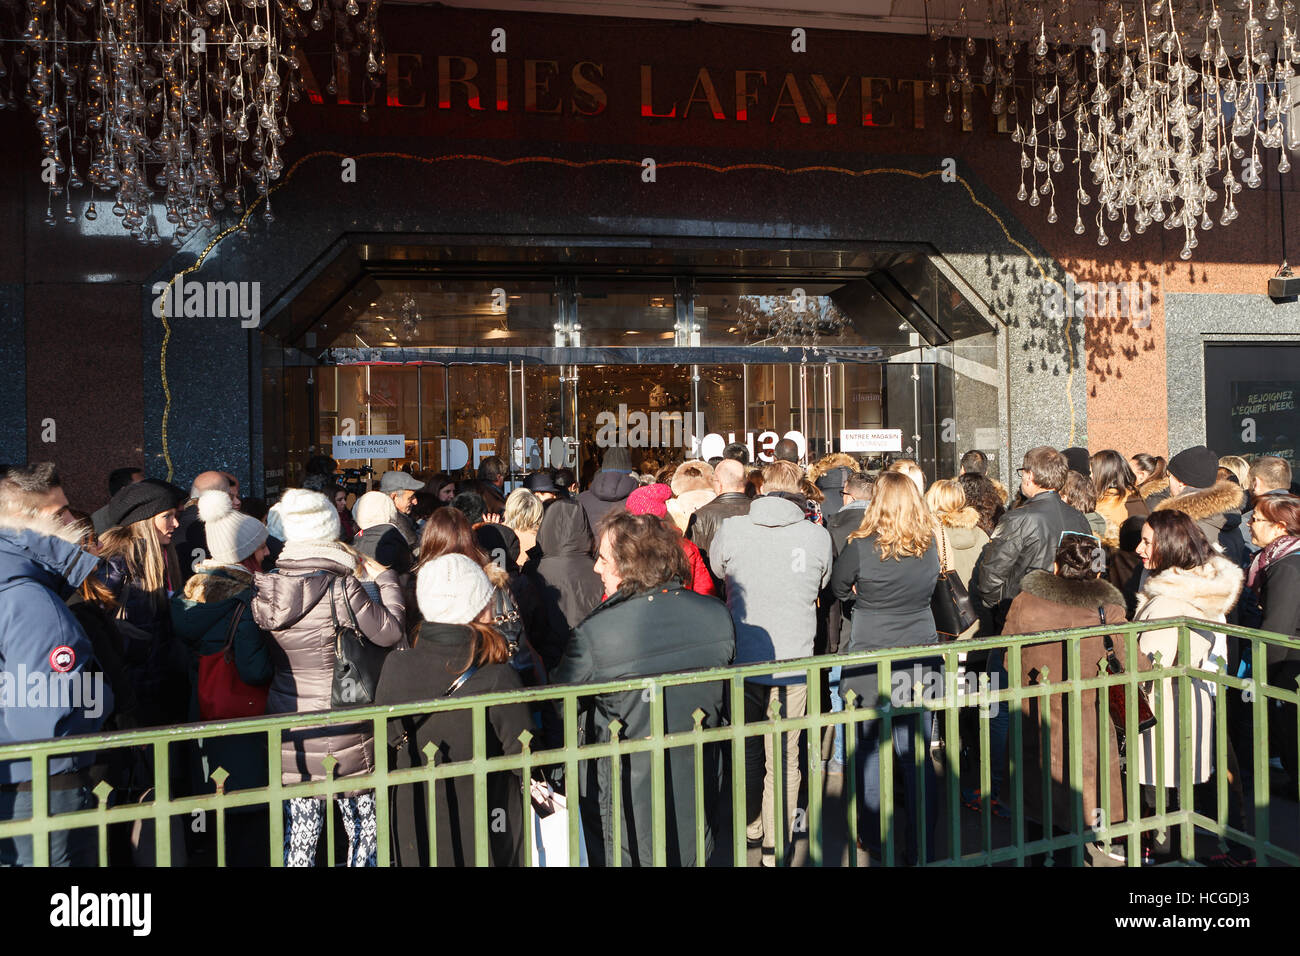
(533,416)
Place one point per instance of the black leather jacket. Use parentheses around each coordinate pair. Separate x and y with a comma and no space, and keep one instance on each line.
(706,520)
(1025,540)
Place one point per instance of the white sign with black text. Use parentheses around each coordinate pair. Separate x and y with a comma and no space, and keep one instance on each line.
(871,439)
(369,446)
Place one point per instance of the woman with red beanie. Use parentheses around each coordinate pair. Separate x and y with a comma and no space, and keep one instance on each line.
(653,500)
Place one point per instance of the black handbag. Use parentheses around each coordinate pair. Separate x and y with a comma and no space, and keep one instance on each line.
(1146,718)
(953,610)
(510,624)
(357,662)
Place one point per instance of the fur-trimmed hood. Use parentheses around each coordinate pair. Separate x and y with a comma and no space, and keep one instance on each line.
(684,505)
(967,517)
(214,582)
(1212,589)
(36,547)
(1153,486)
(681,483)
(1001,489)
(1089,594)
(1205,503)
(43,525)
(497,576)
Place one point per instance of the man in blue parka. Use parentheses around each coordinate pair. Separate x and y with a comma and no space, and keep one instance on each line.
(49,684)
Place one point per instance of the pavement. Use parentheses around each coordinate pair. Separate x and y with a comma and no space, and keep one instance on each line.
(1283,814)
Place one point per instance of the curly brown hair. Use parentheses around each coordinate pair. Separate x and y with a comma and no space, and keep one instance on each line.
(982,495)
(647,552)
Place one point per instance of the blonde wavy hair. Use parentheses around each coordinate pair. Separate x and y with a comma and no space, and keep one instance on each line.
(910,468)
(523,511)
(1239,467)
(898,517)
(945,496)
(150,565)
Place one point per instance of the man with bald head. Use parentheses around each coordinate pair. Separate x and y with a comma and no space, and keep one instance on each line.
(729,483)
(191,541)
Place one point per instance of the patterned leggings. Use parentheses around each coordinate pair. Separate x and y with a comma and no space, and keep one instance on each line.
(305,818)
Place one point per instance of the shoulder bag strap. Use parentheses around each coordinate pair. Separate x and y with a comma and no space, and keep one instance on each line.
(352,614)
(1111,659)
(228,650)
(410,725)
(943,551)
(334,614)
(459,682)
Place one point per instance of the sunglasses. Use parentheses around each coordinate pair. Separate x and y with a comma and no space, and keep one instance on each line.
(1076,534)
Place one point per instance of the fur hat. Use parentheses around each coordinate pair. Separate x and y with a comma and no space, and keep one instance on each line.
(307,516)
(452,589)
(372,508)
(231,535)
(650,500)
(683,483)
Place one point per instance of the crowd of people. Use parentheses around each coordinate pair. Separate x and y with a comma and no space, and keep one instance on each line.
(199,605)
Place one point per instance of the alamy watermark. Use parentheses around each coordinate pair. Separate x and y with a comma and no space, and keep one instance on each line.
(75,909)
(191,299)
(1098,300)
(41,689)
(965,690)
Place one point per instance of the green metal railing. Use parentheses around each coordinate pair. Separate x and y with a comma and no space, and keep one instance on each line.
(1073,835)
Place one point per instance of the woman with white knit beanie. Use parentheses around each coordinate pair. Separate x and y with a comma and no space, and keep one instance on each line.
(456,653)
(216,596)
(314,573)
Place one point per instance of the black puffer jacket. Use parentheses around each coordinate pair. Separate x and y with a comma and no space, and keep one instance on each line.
(570,586)
(1025,540)
(609,490)
(659,631)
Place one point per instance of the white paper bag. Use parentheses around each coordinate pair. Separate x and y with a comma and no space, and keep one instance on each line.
(548,814)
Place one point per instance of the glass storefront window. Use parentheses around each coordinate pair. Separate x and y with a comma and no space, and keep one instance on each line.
(433,416)
(627,314)
(456,313)
(831,314)
(1252,400)
(480,420)
(373,400)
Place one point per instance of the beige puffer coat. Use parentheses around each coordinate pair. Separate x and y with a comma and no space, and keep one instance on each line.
(292,604)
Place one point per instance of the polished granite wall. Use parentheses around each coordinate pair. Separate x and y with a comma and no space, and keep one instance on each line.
(13,371)
(1195,320)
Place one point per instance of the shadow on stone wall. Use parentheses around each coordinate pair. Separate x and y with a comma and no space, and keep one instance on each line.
(1114,306)
(1048,341)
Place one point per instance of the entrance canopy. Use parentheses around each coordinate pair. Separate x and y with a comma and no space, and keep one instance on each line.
(387,302)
